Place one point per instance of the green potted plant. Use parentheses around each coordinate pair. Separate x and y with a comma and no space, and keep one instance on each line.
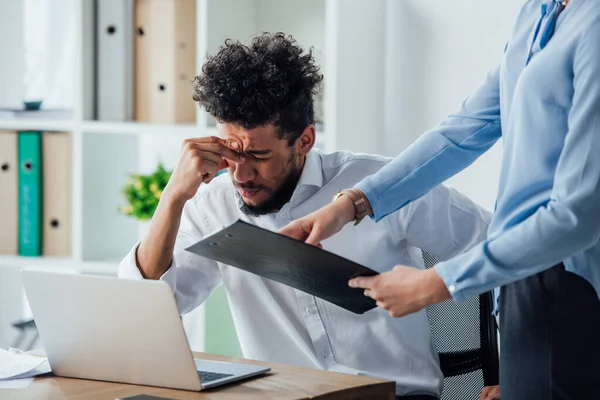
(143,192)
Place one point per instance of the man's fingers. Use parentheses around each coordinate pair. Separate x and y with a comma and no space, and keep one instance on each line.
(293,230)
(212,140)
(491,393)
(223,164)
(314,238)
(208,170)
(363,282)
(484,393)
(228,149)
(231,155)
(225,152)
(296,230)
(210,157)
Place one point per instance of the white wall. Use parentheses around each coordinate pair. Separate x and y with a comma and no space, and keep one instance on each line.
(355,47)
(11,45)
(37,43)
(438,51)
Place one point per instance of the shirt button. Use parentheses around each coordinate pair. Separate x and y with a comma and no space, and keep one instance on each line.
(326,354)
(451,288)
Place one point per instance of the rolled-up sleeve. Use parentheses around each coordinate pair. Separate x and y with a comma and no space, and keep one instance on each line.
(191,277)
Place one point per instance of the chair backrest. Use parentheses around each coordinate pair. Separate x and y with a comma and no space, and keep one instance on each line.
(465,335)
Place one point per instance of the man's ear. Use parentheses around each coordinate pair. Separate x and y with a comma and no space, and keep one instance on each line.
(306,141)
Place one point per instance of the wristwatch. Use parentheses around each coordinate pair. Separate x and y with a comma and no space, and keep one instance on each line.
(361,203)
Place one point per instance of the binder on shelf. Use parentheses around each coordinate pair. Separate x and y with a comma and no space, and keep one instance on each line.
(184,55)
(165,60)
(89,20)
(115,60)
(141,60)
(30,193)
(56,232)
(9,198)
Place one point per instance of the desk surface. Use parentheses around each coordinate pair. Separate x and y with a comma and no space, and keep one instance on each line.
(283,382)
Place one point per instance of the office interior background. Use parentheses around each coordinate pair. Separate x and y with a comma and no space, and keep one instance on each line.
(120,95)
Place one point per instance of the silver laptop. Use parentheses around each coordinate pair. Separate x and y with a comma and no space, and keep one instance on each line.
(118,330)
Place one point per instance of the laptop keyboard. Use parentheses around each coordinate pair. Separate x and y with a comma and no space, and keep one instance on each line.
(206,376)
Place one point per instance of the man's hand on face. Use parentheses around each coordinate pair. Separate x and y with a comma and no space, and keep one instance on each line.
(199,163)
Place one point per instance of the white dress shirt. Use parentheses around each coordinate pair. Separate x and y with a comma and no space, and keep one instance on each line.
(279,324)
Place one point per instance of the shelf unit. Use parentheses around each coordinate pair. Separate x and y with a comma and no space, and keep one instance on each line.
(38,124)
(133,128)
(54,263)
(21,262)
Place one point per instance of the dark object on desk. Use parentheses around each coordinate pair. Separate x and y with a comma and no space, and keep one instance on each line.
(288,261)
(32,105)
(466,337)
(144,397)
(25,327)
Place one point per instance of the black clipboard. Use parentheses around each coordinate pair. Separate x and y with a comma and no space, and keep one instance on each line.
(288,261)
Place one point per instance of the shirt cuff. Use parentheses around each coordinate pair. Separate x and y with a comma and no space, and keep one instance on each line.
(367,190)
(128,269)
(448,272)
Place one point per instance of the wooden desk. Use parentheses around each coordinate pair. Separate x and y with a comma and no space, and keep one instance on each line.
(284,382)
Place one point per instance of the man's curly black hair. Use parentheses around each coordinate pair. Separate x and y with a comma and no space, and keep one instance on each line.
(270,80)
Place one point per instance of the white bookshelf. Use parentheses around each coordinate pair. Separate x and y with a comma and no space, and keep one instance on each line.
(105,153)
(56,263)
(18,124)
(134,128)
(21,262)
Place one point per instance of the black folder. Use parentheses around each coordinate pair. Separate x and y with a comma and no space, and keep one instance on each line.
(288,261)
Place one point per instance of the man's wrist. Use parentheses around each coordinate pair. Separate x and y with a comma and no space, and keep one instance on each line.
(359,201)
(363,196)
(347,210)
(172,200)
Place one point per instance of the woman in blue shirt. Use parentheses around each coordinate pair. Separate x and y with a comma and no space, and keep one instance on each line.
(543,245)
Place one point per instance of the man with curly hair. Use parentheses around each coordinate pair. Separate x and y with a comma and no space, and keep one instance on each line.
(261,95)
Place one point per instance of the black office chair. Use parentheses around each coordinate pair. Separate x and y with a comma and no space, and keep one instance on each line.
(465,335)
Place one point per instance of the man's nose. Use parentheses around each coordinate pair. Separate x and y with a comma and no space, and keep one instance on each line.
(243,172)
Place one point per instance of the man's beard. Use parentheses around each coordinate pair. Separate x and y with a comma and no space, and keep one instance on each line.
(273,203)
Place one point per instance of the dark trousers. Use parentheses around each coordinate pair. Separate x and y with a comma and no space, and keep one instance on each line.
(550,338)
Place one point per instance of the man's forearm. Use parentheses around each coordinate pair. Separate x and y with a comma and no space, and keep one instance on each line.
(154,255)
